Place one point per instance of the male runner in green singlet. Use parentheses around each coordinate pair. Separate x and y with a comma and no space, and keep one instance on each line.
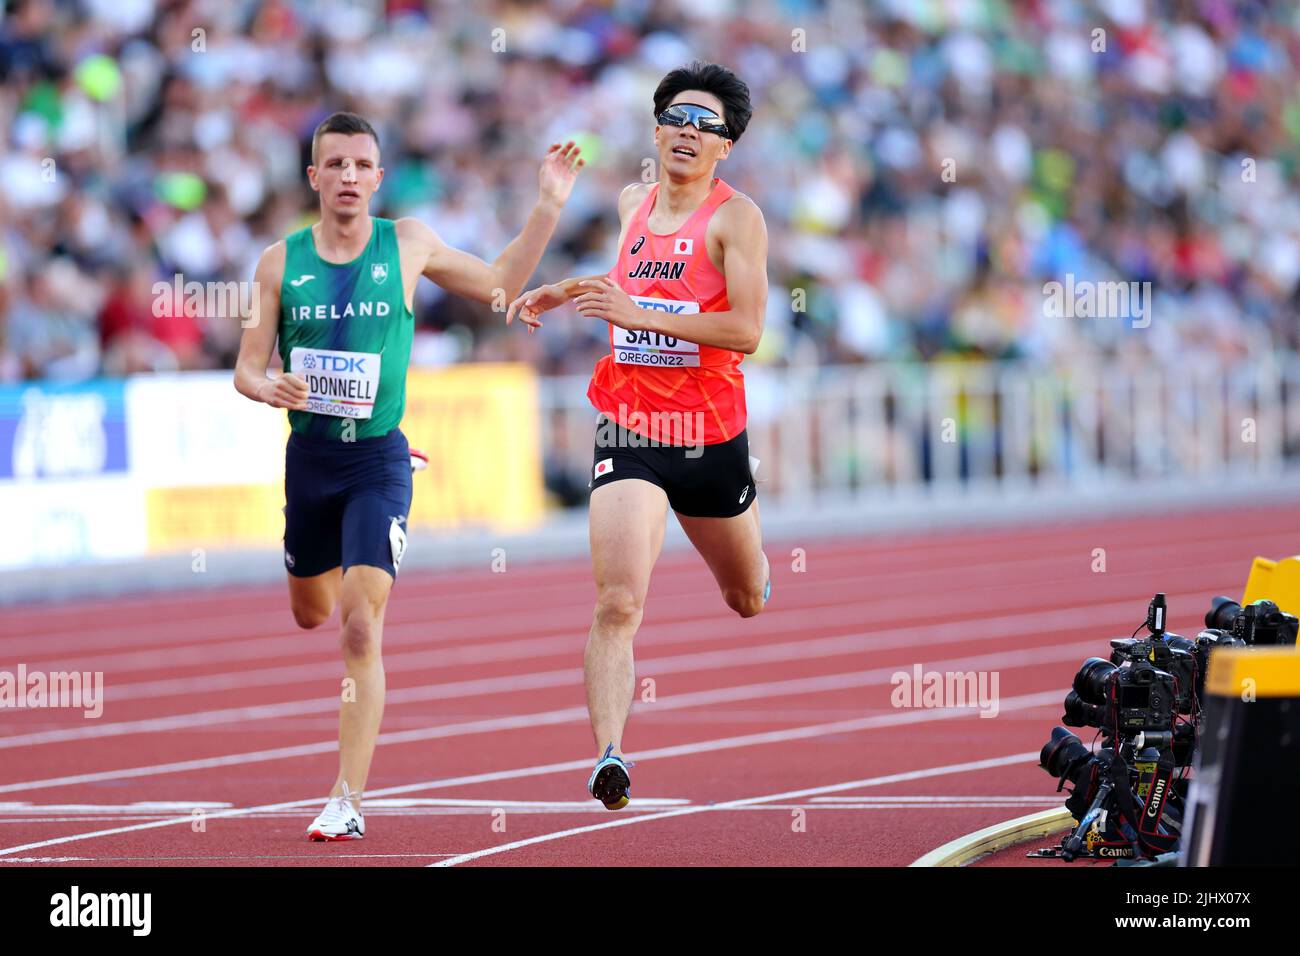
(338,295)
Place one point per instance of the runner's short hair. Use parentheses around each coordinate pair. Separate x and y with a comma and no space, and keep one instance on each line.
(711,78)
(349,124)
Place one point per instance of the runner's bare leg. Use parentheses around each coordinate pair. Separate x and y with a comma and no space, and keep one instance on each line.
(312,599)
(363,601)
(627,521)
(733,550)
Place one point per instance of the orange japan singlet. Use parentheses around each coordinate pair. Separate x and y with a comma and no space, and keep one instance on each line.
(668,389)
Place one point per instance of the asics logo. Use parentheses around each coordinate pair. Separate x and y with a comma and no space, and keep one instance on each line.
(300,280)
(743,495)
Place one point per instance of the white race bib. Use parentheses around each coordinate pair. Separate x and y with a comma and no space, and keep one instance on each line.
(338,383)
(654,348)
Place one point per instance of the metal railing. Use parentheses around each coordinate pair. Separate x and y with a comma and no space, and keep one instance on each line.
(1010,427)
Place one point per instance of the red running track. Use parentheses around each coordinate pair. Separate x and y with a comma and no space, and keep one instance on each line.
(763,741)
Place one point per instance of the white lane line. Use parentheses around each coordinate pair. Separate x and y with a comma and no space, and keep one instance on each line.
(143,806)
(508,804)
(910,808)
(655,635)
(1003,660)
(401,633)
(590,810)
(425,606)
(170,808)
(428,606)
(65,635)
(50,859)
(831,646)
(408,624)
(745,802)
(806,732)
(845,608)
(938,798)
(658,635)
(316,861)
(594,810)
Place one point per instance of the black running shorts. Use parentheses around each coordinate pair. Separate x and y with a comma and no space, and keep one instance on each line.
(701,481)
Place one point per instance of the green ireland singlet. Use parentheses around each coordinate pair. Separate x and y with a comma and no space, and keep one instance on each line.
(346,331)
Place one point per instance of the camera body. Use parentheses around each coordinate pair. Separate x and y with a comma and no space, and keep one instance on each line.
(1138,690)
(1145,698)
(1262,622)
(1152,681)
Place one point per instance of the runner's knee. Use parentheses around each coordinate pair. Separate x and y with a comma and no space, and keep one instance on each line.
(618,609)
(309,616)
(746,602)
(360,635)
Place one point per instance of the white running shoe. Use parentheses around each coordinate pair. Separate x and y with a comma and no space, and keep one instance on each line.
(340,820)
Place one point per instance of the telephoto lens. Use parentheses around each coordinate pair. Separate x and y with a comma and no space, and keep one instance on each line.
(1222,612)
(1080,713)
(1093,679)
(1060,754)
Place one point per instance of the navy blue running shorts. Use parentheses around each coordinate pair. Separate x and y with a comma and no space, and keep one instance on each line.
(345,503)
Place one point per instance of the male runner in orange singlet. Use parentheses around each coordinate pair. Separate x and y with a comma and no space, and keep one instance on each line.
(684,303)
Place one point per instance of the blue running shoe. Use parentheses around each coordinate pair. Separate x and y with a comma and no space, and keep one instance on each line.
(610,782)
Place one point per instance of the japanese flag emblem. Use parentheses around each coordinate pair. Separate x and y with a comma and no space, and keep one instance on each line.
(603,467)
(683,247)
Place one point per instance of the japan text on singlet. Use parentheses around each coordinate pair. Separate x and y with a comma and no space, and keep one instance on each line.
(667,389)
(346,331)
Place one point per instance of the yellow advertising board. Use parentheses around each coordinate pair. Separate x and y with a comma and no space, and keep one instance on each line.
(477,423)
(479,426)
(215,516)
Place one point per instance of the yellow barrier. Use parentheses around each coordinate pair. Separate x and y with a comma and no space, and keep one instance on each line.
(1254,672)
(1276,581)
(1249,752)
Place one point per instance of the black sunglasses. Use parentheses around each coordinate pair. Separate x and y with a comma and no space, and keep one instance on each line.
(688,114)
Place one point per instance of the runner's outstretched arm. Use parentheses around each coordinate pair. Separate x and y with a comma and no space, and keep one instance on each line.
(257,341)
(531,304)
(464,274)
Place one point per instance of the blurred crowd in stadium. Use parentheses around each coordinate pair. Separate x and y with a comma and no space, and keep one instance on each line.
(925,166)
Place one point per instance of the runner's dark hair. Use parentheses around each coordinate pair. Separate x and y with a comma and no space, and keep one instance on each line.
(711,78)
(350,124)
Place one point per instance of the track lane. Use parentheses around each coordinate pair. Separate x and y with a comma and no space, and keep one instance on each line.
(1040,574)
